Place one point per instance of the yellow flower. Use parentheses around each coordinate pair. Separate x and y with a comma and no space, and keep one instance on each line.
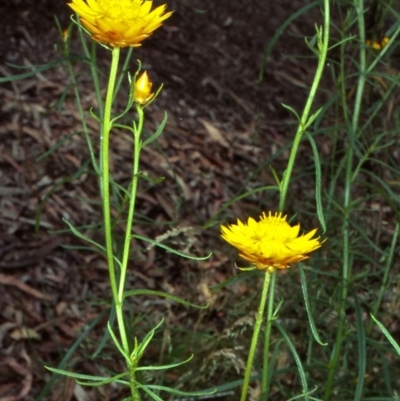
(119,23)
(270,243)
(378,44)
(142,94)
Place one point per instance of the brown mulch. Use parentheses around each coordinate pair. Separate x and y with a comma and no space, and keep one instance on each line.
(222,126)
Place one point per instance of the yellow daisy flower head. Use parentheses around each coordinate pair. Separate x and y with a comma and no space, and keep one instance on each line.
(378,44)
(142,93)
(270,243)
(119,23)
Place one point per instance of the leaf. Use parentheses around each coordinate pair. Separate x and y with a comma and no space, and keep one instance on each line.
(296,358)
(318,180)
(362,357)
(291,109)
(167,248)
(158,132)
(387,334)
(164,367)
(280,31)
(164,295)
(37,69)
(215,133)
(83,237)
(24,333)
(138,352)
(116,342)
(56,146)
(91,380)
(173,391)
(308,308)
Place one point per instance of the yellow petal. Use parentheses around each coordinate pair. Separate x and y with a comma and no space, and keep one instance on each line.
(120,23)
(270,242)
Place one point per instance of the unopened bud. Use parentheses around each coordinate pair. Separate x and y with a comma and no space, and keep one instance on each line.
(143,87)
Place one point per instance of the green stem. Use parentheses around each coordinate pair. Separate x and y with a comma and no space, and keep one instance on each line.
(105,189)
(267,341)
(346,270)
(388,265)
(256,332)
(66,53)
(323,44)
(132,199)
(91,56)
(128,234)
(134,389)
(323,51)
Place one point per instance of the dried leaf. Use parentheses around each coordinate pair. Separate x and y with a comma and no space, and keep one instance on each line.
(23,333)
(215,133)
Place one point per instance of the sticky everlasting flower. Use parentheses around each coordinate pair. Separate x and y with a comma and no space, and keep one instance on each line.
(378,44)
(119,23)
(270,243)
(143,87)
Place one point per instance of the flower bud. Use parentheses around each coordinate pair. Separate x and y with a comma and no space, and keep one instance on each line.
(142,94)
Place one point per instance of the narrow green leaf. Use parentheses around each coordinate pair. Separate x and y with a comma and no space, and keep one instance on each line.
(54,188)
(312,118)
(280,31)
(71,352)
(387,334)
(178,392)
(308,395)
(318,182)
(159,131)
(308,307)
(96,379)
(235,199)
(125,127)
(94,115)
(116,342)
(167,248)
(102,343)
(154,396)
(83,237)
(139,349)
(103,383)
(292,110)
(296,357)
(164,295)
(164,367)
(57,145)
(36,69)
(362,358)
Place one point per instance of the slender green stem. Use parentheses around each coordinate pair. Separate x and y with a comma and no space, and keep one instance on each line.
(347,261)
(124,69)
(128,235)
(95,78)
(133,386)
(132,199)
(91,55)
(323,44)
(256,332)
(267,341)
(66,53)
(105,188)
(388,265)
(128,231)
(323,50)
